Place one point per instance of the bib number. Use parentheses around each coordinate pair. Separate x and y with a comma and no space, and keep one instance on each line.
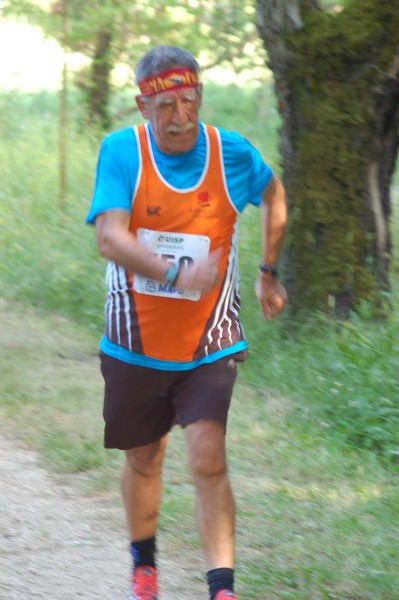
(180,249)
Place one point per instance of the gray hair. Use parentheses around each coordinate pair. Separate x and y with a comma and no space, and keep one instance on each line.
(160,58)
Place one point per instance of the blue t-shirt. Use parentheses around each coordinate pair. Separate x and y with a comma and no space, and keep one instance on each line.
(246,174)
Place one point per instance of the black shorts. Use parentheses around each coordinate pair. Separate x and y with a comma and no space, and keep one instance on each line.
(142,404)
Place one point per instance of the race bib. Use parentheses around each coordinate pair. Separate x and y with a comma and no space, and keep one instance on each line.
(180,249)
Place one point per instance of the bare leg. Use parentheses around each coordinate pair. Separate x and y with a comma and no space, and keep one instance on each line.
(214,501)
(141,488)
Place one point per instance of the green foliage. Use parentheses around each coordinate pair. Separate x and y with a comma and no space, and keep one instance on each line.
(341,376)
(333,7)
(347,372)
(360,388)
(222,33)
(42,246)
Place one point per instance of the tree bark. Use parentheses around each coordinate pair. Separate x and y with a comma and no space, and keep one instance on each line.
(337,84)
(99,87)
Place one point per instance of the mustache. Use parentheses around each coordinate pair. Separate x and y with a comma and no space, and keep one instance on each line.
(180,128)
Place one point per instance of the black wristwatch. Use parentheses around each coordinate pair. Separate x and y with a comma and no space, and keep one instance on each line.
(271,269)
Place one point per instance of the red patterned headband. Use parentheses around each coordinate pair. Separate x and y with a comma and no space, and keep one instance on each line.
(168,80)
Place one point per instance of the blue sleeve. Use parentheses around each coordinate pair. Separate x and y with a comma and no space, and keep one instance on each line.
(116,174)
(247,175)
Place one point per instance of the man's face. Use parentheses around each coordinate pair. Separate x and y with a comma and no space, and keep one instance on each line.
(174,118)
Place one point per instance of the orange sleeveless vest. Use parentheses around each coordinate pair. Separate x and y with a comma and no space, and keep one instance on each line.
(166,322)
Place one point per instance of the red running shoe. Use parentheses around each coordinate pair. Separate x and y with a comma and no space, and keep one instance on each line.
(144,584)
(225,595)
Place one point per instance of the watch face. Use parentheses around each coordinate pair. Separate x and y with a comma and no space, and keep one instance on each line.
(265,268)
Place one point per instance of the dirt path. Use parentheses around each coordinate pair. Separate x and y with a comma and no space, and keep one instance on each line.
(56,543)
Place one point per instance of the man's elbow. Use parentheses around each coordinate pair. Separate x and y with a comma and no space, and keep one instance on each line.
(104,242)
(276,187)
(274,194)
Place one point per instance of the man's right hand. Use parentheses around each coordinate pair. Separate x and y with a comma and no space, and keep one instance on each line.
(202,275)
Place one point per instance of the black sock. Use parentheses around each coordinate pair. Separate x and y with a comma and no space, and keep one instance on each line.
(220,579)
(143,552)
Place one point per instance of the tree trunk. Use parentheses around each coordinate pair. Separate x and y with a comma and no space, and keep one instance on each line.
(98,89)
(337,84)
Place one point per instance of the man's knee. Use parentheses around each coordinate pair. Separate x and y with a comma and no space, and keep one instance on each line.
(206,450)
(146,460)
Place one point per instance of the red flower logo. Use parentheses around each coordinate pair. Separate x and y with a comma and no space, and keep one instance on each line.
(203,199)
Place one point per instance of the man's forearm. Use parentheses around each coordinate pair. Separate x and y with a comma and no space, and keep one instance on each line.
(273,218)
(116,243)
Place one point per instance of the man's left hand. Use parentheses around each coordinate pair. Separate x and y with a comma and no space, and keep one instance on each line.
(271,295)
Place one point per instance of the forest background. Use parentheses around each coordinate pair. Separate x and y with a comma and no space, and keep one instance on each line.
(314,432)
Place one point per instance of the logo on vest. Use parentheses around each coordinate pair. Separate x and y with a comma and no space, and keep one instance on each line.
(203,199)
(203,204)
(156,287)
(150,287)
(170,289)
(153,211)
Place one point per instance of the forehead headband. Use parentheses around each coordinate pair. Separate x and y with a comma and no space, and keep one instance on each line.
(168,80)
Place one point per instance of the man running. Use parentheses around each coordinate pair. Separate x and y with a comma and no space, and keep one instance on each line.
(166,208)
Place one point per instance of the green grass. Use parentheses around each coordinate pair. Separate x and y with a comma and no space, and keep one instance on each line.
(313,433)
